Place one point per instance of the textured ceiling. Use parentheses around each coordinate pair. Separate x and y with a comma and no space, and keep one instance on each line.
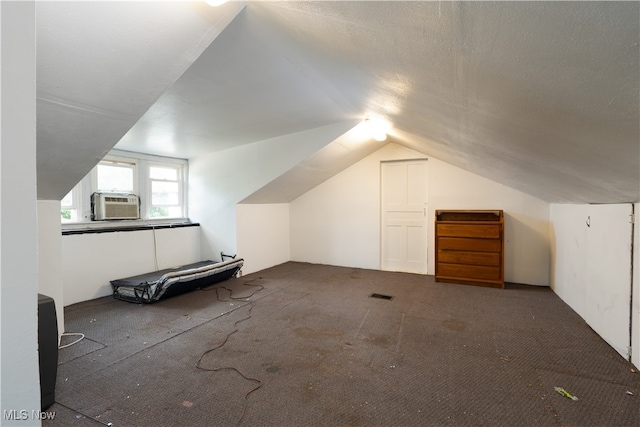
(239,91)
(540,96)
(333,158)
(100,66)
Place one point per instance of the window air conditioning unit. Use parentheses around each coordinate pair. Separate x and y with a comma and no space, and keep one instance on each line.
(114,206)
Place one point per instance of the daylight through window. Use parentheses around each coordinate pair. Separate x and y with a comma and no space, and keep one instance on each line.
(166,185)
(159,182)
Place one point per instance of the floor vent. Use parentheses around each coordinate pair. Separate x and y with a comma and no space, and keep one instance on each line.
(381,296)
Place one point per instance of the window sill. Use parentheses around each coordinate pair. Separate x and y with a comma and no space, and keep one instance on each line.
(124,225)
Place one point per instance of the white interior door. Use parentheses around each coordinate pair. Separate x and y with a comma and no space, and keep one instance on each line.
(404,216)
(608,290)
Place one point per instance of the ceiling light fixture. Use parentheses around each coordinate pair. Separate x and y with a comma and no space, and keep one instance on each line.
(377,128)
(215,3)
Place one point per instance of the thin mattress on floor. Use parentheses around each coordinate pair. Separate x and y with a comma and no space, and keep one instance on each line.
(150,287)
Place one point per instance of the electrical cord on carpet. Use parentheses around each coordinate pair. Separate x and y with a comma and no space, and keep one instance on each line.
(235,329)
(77,334)
(71,334)
(107,424)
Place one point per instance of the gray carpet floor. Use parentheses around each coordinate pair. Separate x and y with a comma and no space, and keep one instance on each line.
(307,345)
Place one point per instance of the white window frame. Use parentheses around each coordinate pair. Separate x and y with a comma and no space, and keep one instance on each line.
(75,205)
(142,188)
(179,180)
(117,161)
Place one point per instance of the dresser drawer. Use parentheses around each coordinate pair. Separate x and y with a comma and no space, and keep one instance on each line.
(481,231)
(470,247)
(469,271)
(466,244)
(491,259)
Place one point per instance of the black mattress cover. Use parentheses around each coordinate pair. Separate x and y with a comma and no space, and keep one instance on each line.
(150,287)
(156,275)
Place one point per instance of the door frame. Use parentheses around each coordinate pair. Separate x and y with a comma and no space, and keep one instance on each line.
(426,211)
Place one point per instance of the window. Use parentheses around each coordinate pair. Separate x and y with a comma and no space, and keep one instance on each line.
(69,206)
(115,177)
(165,191)
(159,182)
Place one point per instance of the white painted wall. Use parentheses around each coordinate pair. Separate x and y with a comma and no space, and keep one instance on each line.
(50,256)
(568,253)
(526,222)
(220,180)
(263,235)
(591,267)
(90,261)
(635,306)
(19,388)
(338,222)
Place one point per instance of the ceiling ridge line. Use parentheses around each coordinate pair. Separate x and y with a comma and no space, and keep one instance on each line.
(84,107)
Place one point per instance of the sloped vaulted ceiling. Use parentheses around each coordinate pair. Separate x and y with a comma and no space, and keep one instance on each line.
(540,96)
(100,66)
(241,90)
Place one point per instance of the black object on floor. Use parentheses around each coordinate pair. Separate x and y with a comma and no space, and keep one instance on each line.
(150,287)
(47,349)
(382,296)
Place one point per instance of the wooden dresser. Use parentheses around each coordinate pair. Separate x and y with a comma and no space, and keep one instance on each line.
(469,247)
